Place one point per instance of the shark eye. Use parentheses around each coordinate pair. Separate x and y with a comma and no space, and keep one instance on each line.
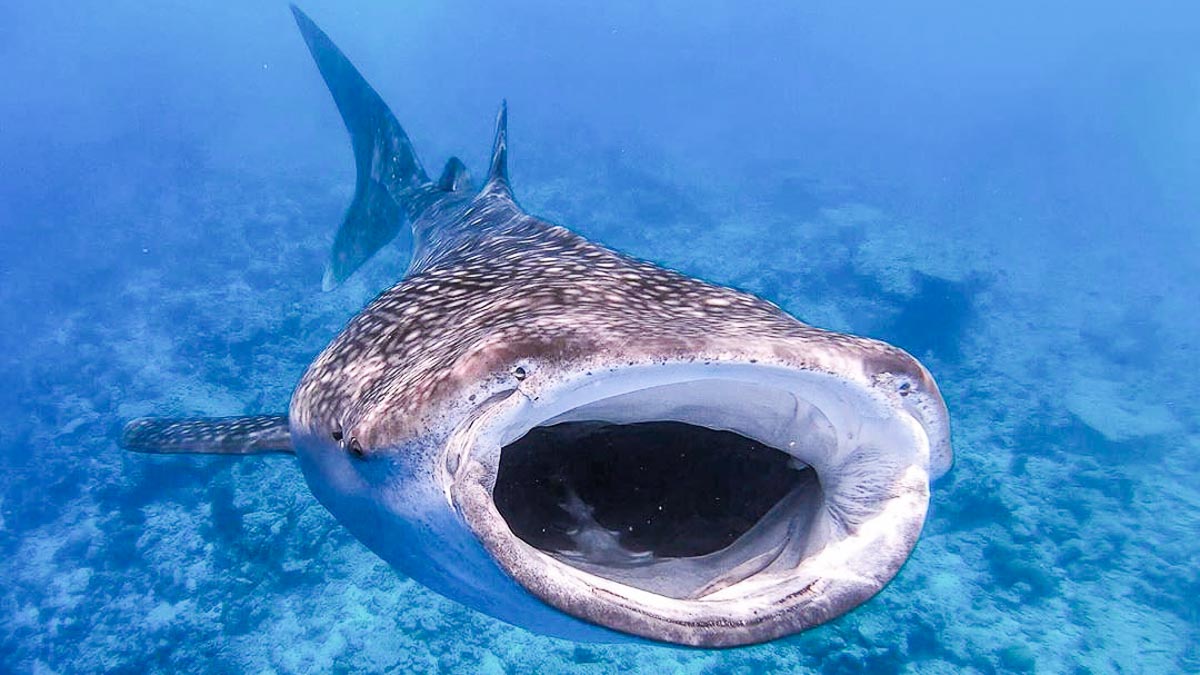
(519,373)
(336,434)
(356,447)
(905,388)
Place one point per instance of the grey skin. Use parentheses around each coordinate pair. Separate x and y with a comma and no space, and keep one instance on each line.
(507,327)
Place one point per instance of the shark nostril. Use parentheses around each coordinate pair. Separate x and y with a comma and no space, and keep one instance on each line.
(356,447)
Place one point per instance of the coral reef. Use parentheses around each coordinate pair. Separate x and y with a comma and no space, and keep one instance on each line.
(1063,540)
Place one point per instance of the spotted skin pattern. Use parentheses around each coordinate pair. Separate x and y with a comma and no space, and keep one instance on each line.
(494,289)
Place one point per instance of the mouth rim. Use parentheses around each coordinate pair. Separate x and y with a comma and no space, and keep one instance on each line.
(828,583)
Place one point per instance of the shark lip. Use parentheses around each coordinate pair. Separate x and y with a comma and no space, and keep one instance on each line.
(833,490)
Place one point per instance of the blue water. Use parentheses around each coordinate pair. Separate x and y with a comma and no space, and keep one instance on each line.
(1011,193)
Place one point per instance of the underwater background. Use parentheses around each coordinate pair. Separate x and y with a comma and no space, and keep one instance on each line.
(1009,191)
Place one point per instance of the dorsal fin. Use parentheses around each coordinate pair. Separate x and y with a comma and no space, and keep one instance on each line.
(454,177)
(497,181)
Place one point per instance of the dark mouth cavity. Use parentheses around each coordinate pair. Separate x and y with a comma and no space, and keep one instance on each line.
(631,494)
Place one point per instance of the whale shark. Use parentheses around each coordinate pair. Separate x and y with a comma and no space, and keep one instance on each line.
(579,442)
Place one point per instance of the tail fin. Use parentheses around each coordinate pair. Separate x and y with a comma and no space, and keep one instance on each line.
(213,435)
(389,173)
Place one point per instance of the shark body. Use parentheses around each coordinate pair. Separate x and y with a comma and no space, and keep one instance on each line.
(582,443)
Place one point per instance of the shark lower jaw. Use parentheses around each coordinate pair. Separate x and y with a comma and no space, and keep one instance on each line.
(711,506)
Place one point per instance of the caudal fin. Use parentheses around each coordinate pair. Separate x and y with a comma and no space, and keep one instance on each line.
(389,175)
(212,435)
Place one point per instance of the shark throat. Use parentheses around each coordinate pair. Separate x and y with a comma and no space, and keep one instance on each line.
(640,503)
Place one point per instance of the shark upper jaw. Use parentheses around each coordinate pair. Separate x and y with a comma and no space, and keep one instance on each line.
(859,455)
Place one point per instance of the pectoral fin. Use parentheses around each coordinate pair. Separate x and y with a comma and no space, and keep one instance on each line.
(209,435)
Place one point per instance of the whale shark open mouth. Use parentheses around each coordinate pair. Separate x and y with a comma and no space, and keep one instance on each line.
(655,505)
(703,505)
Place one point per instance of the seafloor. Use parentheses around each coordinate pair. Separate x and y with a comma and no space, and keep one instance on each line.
(1064,540)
